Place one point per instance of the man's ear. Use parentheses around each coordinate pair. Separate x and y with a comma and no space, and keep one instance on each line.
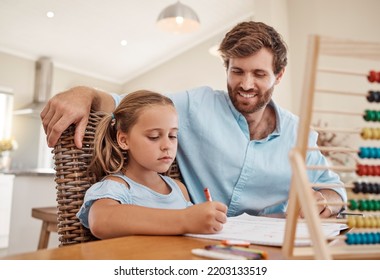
(122,140)
(279,76)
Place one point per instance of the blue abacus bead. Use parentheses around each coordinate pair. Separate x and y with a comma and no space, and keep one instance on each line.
(376,237)
(358,239)
(350,239)
(372,152)
(363,152)
(370,238)
(364,238)
(377,152)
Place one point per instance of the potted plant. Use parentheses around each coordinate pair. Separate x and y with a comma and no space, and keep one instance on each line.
(6,146)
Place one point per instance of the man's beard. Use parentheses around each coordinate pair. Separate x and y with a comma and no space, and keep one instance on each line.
(262,99)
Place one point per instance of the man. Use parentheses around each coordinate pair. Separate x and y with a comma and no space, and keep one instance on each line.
(236,143)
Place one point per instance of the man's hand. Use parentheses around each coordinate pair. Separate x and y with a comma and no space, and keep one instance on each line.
(72,107)
(323,198)
(66,108)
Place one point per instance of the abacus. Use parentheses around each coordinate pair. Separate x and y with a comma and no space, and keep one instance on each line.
(363,238)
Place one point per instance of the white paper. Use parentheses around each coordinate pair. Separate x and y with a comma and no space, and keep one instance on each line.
(267,231)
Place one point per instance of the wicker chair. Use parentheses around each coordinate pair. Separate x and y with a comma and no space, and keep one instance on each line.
(72,181)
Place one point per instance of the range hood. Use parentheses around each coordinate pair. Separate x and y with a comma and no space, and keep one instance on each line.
(42,88)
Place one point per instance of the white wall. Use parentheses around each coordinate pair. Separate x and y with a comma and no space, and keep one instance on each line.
(349,19)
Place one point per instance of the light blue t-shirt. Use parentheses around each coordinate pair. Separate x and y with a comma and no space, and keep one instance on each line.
(215,151)
(135,194)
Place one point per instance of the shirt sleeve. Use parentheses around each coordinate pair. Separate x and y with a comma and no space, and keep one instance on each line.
(117,98)
(104,189)
(326,175)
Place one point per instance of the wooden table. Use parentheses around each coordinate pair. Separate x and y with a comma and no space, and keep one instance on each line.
(133,248)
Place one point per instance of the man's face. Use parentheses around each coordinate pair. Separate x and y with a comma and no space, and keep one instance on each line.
(251,81)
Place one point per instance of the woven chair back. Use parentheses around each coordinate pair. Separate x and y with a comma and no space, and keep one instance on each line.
(72,180)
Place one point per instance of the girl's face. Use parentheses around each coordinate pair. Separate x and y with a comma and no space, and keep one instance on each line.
(152,141)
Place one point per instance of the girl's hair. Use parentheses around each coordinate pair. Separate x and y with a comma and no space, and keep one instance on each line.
(247,38)
(108,157)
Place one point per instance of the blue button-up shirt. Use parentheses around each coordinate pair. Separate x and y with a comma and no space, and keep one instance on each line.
(215,151)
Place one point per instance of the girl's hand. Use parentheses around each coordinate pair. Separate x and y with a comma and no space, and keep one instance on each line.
(207,217)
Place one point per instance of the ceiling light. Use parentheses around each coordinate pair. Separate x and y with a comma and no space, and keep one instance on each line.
(50,14)
(123,43)
(178,18)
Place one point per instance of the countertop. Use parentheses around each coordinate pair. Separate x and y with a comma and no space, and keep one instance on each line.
(32,172)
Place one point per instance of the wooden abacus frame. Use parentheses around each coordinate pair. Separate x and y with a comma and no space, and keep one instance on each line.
(300,195)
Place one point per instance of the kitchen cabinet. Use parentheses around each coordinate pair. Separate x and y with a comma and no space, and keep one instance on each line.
(6,190)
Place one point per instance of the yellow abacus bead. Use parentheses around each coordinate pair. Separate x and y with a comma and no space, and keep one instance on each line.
(375,224)
(367,222)
(359,222)
(366,133)
(377,221)
(351,222)
(376,134)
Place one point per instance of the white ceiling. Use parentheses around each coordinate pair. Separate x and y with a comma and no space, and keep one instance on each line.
(84,36)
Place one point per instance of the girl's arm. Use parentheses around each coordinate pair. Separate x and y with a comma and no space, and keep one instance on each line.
(108,219)
(183,189)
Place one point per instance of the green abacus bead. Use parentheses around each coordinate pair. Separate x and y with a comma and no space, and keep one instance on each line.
(377,116)
(363,205)
(376,205)
(370,115)
(353,205)
(371,205)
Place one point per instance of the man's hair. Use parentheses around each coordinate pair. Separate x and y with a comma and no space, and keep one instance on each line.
(247,38)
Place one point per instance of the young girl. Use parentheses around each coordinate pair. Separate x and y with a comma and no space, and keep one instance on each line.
(132,147)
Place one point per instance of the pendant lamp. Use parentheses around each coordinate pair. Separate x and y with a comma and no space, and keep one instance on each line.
(178,18)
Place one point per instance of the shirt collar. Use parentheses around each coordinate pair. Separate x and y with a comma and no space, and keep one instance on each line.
(240,118)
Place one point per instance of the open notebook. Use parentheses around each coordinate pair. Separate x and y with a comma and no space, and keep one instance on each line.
(267,231)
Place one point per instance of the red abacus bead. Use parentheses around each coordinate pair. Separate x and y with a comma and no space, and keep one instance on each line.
(377,170)
(372,77)
(361,170)
(378,77)
(370,170)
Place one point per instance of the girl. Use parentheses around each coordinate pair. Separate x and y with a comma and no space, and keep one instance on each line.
(132,147)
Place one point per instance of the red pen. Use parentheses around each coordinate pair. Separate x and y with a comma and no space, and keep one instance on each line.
(207,194)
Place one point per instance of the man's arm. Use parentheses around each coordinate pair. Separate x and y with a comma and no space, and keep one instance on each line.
(73,107)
